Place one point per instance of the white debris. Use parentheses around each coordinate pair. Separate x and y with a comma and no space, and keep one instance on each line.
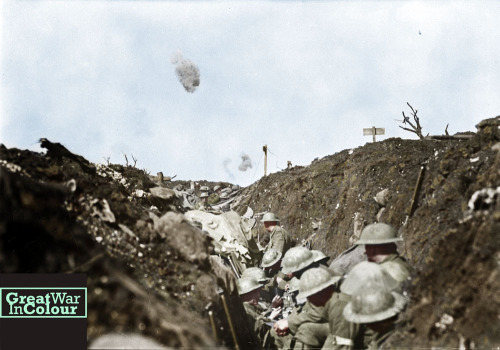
(351,151)
(381,197)
(483,199)
(445,321)
(337,206)
(473,160)
(98,239)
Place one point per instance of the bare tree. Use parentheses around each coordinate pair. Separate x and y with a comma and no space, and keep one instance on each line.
(126,159)
(107,160)
(416,128)
(134,159)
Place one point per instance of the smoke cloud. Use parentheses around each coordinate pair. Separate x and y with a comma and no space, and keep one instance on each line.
(187,72)
(225,163)
(246,163)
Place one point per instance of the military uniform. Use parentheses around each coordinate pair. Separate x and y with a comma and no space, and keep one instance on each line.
(309,326)
(258,324)
(405,269)
(280,240)
(213,198)
(342,333)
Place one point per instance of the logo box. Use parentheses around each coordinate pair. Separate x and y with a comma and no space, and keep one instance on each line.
(31,317)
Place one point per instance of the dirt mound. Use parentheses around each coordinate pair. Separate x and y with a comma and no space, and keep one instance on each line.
(452,236)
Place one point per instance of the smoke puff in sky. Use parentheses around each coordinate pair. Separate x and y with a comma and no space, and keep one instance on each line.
(225,163)
(246,162)
(187,72)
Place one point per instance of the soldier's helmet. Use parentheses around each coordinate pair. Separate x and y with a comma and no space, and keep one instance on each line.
(296,259)
(247,285)
(203,195)
(216,187)
(315,280)
(319,256)
(367,306)
(397,271)
(293,285)
(378,233)
(224,195)
(270,217)
(367,273)
(226,189)
(256,273)
(204,188)
(271,257)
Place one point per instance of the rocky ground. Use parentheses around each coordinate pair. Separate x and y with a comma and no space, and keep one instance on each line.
(150,271)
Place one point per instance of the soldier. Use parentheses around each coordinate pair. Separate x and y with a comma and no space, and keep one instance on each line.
(249,291)
(279,237)
(307,324)
(380,247)
(261,277)
(320,287)
(271,263)
(378,310)
(297,260)
(320,258)
(365,273)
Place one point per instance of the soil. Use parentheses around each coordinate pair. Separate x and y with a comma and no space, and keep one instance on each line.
(150,272)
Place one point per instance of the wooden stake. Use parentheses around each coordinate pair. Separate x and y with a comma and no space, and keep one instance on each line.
(265,159)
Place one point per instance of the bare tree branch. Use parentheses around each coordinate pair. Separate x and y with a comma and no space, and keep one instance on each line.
(134,159)
(415,128)
(126,159)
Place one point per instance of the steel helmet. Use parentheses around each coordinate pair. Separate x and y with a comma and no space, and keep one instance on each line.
(204,195)
(296,259)
(319,256)
(271,257)
(216,187)
(365,273)
(397,271)
(378,233)
(293,285)
(204,188)
(256,273)
(247,285)
(367,306)
(270,217)
(224,195)
(315,280)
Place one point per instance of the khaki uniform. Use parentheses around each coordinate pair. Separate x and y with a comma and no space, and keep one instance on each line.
(309,326)
(342,333)
(258,324)
(213,198)
(279,240)
(396,258)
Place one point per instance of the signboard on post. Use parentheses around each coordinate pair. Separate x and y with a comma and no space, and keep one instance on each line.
(373,131)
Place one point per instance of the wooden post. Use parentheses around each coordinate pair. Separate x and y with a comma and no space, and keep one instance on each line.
(373,131)
(265,159)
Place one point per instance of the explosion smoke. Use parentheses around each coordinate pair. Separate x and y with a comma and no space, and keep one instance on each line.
(187,72)
(246,162)
(225,163)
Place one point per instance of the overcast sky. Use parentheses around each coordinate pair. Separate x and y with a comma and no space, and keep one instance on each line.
(304,78)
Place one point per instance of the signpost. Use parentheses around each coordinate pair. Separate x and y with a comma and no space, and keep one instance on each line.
(373,131)
(265,159)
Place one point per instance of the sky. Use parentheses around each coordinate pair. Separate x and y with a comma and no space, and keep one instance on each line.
(303,78)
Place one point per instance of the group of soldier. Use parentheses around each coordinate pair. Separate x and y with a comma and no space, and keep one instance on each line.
(295,301)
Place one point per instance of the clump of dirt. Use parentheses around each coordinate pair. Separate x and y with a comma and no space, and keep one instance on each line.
(452,237)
